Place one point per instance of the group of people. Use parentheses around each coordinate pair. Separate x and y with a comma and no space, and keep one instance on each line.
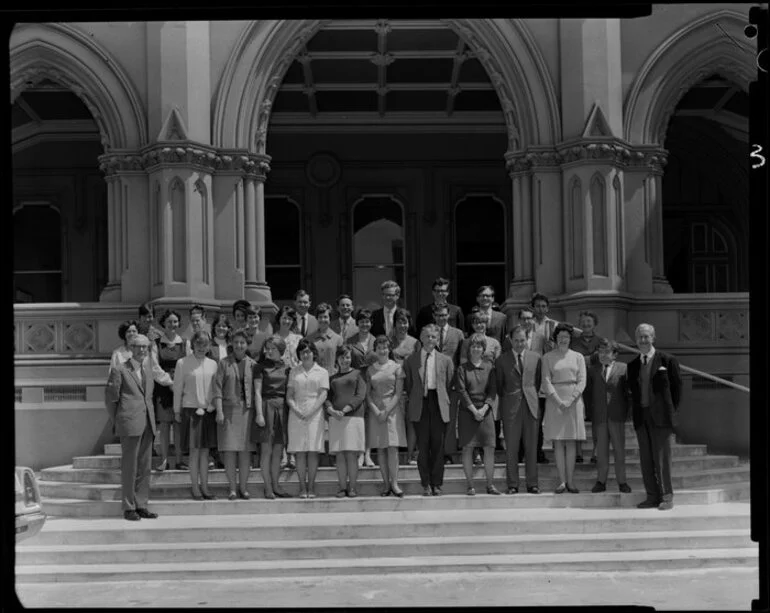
(374,379)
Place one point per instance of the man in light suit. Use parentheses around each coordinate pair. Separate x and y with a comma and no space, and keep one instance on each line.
(518,379)
(608,401)
(345,325)
(449,343)
(306,322)
(428,380)
(496,321)
(440,293)
(656,386)
(129,402)
(382,319)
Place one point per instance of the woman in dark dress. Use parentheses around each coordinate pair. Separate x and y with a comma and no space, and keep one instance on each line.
(345,408)
(170,348)
(475,381)
(270,429)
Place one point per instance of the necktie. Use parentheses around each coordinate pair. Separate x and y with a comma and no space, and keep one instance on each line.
(343,327)
(644,360)
(425,375)
(441,340)
(304,325)
(606,371)
(518,363)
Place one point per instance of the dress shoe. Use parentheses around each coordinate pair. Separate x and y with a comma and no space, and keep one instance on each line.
(182,466)
(232,496)
(340,494)
(426,491)
(244,494)
(352,493)
(513,490)
(281,493)
(197,496)
(269,495)
(386,492)
(146,514)
(207,496)
(162,466)
(561,489)
(397,492)
(579,459)
(650,503)
(303,495)
(471,491)
(437,490)
(131,515)
(598,487)
(413,461)
(666,505)
(311,494)
(533,490)
(573,490)
(625,488)
(491,489)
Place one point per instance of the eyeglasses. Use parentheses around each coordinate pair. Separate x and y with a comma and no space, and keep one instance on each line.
(139,346)
(487,295)
(441,291)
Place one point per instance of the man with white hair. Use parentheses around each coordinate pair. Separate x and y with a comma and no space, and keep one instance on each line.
(655,384)
(128,397)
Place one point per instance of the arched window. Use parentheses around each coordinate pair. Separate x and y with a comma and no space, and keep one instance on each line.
(378,248)
(37,253)
(283,255)
(480,249)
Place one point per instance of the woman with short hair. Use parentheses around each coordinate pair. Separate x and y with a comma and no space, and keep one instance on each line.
(220,344)
(271,427)
(287,330)
(345,409)
(194,410)
(362,355)
(387,428)
(405,345)
(305,394)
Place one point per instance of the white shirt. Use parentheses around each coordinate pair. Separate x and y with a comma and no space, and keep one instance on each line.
(537,337)
(429,381)
(388,319)
(607,369)
(649,356)
(192,382)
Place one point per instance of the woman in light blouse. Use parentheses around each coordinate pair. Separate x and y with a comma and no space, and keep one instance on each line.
(564,379)
(305,394)
(287,330)
(194,409)
(127,331)
(345,408)
(271,425)
(326,340)
(476,384)
(405,345)
(220,344)
(234,404)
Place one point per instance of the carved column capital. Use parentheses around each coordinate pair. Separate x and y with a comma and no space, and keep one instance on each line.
(609,151)
(652,160)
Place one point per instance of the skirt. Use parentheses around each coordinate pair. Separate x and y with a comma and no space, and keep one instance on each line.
(346,434)
(197,431)
(475,433)
(306,435)
(235,433)
(566,425)
(275,430)
(392,433)
(164,404)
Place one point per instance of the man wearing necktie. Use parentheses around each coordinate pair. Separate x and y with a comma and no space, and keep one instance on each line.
(608,399)
(450,342)
(306,323)
(428,380)
(656,386)
(382,319)
(345,324)
(129,402)
(517,373)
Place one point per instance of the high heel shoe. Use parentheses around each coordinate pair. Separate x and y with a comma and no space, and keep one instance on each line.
(386,492)
(244,494)
(281,494)
(397,491)
(195,496)
(269,495)
(232,496)
(162,466)
(207,496)
(561,489)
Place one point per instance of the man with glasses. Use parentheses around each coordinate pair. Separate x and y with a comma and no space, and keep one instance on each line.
(382,319)
(496,324)
(440,296)
(128,397)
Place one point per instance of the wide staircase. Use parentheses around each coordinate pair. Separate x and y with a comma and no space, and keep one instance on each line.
(86,539)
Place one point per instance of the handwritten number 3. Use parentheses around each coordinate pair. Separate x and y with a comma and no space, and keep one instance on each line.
(756,154)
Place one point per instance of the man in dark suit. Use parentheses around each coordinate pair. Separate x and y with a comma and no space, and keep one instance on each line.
(428,376)
(306,322)
(382,318)
(496,323)
(656,386)
(450,341)
(608,401)
(518,373)
(440,294)
(345,324)
(128,397)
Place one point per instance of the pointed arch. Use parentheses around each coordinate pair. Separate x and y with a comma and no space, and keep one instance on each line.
(265,50)
(64,54)
(690,54)
(575,229)
(177,199)
(599,234)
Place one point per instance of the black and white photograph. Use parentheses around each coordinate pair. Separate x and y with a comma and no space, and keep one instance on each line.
(386,312)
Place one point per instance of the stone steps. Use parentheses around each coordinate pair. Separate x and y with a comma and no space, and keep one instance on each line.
(361,548)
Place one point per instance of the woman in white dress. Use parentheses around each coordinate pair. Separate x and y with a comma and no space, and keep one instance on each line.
(387,427)
(305,394)
(287,330)
(564,379)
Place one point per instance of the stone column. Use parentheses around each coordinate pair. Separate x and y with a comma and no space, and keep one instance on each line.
(256,288)
(523,282)
(547,246)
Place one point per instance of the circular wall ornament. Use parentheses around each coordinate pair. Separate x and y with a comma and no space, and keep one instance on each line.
(323,170)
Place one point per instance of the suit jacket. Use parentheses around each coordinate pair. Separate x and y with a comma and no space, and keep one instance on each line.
(225,387)
(610,399)
(665,389)
(361,359)
(378,323)
(496,327)
(425,317)
(453,341)
(414,384)
(513,386)
(127,403)
(351,330)
(312,325)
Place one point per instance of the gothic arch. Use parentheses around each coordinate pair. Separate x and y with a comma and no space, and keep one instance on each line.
(265,50)
(64,54)
(684,58)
